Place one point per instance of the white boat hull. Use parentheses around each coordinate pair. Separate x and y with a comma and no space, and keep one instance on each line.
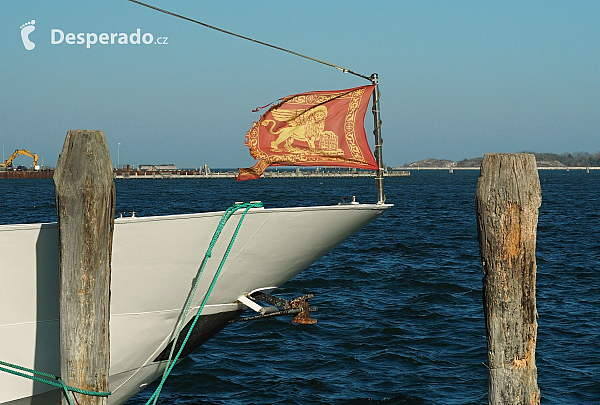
(154,263)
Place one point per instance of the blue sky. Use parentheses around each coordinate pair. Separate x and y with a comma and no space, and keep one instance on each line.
(458,78)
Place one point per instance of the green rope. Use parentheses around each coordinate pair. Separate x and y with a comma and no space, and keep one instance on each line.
(55,381)
(65,390)
(51,380)
(172,361)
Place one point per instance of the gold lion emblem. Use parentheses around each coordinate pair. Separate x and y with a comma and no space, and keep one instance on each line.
(305,125)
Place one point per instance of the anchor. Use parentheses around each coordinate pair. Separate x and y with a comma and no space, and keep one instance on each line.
(278,307)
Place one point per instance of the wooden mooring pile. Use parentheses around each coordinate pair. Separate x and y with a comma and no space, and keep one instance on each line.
(508,197)
(85,204)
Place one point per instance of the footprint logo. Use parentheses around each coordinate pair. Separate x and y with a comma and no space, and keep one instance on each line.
(27,29)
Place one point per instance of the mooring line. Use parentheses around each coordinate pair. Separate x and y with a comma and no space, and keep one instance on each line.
(173,360)
(49,379)
(250,39)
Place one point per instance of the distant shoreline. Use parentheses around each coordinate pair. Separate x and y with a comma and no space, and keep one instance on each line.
(551,161)
(567,168)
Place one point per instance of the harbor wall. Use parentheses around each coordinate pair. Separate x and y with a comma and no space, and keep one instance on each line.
(190,174)
(13,174)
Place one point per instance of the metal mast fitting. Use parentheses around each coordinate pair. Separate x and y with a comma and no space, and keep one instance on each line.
(378,140)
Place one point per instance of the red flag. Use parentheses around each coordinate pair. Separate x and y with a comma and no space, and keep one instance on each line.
(321,128)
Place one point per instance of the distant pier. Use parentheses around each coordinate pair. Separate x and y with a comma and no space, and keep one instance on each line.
(211,174)
(229,174)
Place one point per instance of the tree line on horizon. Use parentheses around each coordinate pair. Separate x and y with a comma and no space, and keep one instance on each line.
(575,159)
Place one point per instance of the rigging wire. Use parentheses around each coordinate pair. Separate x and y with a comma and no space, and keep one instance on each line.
(250,39)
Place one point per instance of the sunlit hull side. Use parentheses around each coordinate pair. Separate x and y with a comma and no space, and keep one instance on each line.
(154,263)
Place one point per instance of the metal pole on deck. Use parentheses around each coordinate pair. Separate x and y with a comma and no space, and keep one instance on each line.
(378,140)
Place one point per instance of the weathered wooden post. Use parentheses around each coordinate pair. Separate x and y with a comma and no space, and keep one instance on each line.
(85,203)
(508,197)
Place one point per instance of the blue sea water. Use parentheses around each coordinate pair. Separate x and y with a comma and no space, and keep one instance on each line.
(400,316)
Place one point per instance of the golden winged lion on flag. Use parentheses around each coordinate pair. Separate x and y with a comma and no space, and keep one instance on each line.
(304,125)
(320,128)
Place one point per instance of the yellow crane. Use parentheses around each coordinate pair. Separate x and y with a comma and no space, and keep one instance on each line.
(19,152)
